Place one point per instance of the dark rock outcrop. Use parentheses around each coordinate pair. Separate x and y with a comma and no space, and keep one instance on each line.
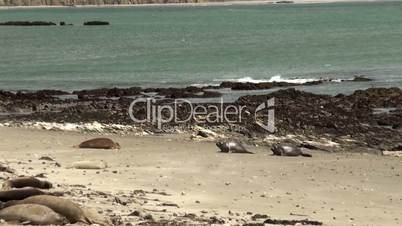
(27,23)
(263,85)
(96,23)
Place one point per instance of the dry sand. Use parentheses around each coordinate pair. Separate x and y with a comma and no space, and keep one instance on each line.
(337,189)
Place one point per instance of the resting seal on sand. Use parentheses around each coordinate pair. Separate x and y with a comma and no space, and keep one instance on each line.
(19,194)
(32,213)
(100,143)
(288,150)
(64,207)
(232,147)
(22,182)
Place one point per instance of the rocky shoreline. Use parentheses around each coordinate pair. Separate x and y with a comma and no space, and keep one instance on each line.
(367,119)
(148,169)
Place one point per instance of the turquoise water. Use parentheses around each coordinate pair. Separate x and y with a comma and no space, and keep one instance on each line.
(179,46)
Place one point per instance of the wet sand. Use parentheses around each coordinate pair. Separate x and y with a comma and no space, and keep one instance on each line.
(337,189)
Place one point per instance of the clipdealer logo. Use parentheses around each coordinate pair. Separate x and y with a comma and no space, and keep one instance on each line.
(210,113)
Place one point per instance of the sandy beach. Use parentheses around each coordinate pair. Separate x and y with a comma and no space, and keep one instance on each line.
(336,189)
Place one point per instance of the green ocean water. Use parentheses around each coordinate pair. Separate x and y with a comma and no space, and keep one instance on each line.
(179,46)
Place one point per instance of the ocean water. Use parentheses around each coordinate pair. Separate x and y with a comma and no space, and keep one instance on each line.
(180,46)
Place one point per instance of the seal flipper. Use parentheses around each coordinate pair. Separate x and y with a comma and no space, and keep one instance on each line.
(249,152)
(306,155)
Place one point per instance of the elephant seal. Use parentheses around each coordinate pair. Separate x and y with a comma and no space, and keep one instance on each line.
(288,150)
(19,194)
(64,207)
(100,143)
(32,214)
(232,147)
(22,182)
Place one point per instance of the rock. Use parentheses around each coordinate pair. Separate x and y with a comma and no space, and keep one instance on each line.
(27,23)
(257,216)
(135,213)
(292,222)
(92,23)
(361,78)
(284,2)
(263,85)
(149,217)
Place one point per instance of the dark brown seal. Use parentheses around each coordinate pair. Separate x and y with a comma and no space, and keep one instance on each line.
(22,182)
(19,194)
(100,143)
(288,150)
(32,214)
(232,147)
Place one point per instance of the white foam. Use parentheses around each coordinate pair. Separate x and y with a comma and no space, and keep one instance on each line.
(276,78)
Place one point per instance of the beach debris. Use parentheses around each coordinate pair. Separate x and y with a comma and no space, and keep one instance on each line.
(6,169)
(287,149)
(203,134)
(120,201)
(135,213)
(92,23)
(258,216)
(100,143)
(392,153)
(62,206)
(232,147)
(95,218)
(41,175)
(32,214)
(169,204)
(22,182)
(397,148)
(46,158)
(86,164)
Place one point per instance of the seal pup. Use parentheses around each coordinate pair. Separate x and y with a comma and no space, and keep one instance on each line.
(232,147)
(64,207)
(33,214)
(100,143)
(21,182)
(288,150)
